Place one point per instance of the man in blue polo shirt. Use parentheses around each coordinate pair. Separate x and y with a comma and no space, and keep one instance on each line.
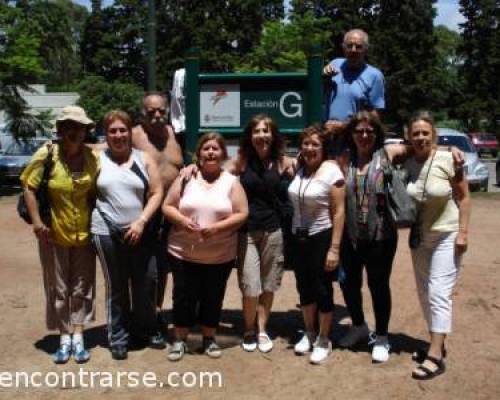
(355,85)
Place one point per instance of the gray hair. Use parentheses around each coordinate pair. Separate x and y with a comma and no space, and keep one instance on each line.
(360,32)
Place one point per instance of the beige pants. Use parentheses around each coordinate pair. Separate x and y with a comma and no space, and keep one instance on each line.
(69,283)
(260,262)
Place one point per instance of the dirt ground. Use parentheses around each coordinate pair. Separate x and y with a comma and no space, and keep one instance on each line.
(474,348)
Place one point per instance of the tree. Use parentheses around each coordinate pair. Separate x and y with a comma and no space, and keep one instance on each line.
(450,95)
(342,16)
(283,45)
(57,25)
(403,47)
(98,96)
(113,41)
(20,64)
(481,52)
(225,31)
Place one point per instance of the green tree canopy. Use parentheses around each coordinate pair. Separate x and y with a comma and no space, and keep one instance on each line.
(283,45)
(98,96)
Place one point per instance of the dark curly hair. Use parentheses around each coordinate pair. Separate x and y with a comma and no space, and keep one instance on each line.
(277,146)
(370,118)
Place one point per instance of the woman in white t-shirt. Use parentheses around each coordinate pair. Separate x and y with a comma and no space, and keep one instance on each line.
(317,194)
(442,195)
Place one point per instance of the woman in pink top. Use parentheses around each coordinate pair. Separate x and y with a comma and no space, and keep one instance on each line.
(206,213)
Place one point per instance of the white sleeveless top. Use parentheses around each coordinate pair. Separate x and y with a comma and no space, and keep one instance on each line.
(120,193)
(206,205)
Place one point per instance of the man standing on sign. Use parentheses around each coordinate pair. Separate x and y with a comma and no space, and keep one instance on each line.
(157,138)
(354,85)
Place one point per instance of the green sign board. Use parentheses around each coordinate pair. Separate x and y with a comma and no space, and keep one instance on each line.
(232,105)
(225,102)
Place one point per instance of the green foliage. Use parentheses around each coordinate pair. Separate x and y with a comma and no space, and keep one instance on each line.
(403,47)
(481,53)
(98,96)
(58,26)
(20,64)
(283,45)
(339,16)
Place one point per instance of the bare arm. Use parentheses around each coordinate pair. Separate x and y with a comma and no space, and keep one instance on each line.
(238,216)
(155,196)
(461,194)
(399,153)
(170,208)
(97,146)
(337,204)
(172,150)
(39,228)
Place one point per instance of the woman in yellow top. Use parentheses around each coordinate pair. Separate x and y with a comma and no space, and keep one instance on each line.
(67,258)
(442,194)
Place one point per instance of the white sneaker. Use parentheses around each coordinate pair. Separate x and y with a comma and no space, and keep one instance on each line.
(321,350)
(380,351)
(264,342)
(304,345)
(354,335)
(249,342)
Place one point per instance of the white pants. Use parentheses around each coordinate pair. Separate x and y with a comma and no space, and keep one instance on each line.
(436,267)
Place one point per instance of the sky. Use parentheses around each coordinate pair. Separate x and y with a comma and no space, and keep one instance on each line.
(448,13)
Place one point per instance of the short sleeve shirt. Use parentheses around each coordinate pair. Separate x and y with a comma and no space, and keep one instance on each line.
(310,197)
(353,90)
(70,196)
(438,210)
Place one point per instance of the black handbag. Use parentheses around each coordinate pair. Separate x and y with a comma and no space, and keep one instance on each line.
(400,205)
(42,193)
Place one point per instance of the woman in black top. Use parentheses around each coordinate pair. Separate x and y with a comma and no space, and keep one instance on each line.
(264,172)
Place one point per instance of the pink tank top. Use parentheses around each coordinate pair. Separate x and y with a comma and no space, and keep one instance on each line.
(206,205)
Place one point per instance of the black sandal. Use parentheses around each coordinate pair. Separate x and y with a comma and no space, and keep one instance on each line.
(420,355)
(427,373)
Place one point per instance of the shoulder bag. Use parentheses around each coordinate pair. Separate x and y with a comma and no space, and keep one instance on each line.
(400,205)
(42,193)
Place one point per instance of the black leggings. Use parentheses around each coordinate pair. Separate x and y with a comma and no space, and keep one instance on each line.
(377,256)
(314,284)
(198,291)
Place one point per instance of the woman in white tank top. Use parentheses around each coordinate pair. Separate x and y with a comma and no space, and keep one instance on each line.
(128,194)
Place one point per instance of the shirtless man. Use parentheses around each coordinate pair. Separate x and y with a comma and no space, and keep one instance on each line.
(155,137)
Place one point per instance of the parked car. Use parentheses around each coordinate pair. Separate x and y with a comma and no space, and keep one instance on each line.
(476,171)
(15,158)
(498,172)
(485,143)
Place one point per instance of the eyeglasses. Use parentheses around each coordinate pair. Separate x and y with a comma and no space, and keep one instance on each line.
(153,111)
(115,130)
(368,131)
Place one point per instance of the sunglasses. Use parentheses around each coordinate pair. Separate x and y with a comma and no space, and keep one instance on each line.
(153,111)
(116,130)
(368,131)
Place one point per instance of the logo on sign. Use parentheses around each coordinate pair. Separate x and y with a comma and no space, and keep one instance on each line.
(218,96)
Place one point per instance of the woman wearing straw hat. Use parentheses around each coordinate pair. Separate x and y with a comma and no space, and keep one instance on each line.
(67,258)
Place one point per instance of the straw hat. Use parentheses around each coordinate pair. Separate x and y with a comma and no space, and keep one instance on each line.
(74,113)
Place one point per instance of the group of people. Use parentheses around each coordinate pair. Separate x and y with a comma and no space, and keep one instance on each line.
(324,213)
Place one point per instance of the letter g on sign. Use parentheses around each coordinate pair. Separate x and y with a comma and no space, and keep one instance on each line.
(295,108)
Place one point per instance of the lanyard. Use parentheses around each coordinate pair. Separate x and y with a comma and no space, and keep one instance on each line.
(303,200)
